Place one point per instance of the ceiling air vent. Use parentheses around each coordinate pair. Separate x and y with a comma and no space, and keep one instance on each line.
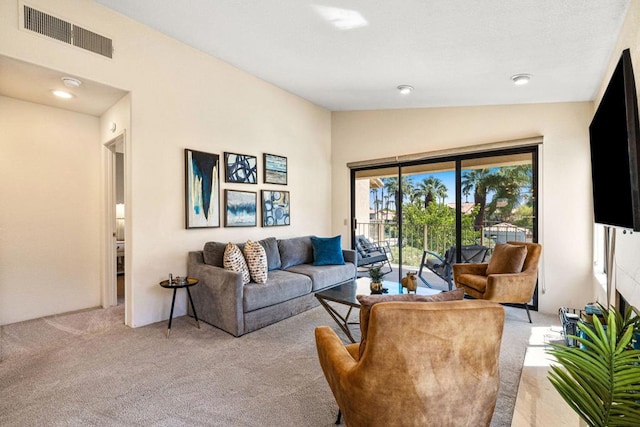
(66,32)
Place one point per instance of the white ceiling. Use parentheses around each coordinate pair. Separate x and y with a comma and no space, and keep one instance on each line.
(28,82)
(454,52)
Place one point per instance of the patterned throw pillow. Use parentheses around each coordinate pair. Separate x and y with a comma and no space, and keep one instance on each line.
(234,260)
(256,258)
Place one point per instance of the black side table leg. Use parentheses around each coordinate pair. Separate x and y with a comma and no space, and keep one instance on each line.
(338,420)
(193,308)
(173,302)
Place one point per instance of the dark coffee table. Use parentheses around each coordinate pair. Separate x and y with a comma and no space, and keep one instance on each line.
(345,294)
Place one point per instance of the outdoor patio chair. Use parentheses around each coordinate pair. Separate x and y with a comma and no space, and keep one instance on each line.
(371,255)
(442,265)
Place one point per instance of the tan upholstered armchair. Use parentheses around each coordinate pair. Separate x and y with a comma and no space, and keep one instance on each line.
(509,277)
(424,363)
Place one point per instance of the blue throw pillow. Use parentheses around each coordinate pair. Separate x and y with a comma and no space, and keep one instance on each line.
(327,250)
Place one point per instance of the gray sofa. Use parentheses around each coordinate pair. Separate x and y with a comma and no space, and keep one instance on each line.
(221,299)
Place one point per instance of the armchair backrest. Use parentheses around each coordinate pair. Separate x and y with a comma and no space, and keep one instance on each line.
(440,368)
(534,251)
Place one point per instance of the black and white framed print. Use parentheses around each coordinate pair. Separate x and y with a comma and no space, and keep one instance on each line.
(240,168)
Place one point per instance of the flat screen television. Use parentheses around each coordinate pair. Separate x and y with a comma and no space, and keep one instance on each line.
(615,147)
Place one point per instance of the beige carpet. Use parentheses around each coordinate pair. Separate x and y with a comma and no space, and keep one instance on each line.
(88,369)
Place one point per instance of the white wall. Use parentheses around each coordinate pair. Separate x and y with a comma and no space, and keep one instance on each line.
(181,98)
(565,187)
(50,217)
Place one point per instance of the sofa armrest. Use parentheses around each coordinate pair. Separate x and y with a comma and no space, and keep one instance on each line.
(349,255)
(218,295)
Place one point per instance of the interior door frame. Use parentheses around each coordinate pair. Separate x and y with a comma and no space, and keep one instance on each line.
(109,268)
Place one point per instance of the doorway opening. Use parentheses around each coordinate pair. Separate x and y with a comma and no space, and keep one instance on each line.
(114,289)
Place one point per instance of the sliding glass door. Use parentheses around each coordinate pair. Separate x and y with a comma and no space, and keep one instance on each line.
(436,210)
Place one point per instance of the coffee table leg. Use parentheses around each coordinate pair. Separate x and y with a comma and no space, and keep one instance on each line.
(173,302)
(343,322)
(193,308)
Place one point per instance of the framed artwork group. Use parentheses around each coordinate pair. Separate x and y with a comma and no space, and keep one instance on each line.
(202,190)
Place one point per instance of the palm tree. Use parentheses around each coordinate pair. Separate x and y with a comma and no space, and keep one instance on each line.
(506,182)
(431,188)
(391,184)
(481,181)
(408,189)
(374,192)
(513,180)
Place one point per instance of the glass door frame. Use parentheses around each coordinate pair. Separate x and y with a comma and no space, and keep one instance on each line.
(533,150)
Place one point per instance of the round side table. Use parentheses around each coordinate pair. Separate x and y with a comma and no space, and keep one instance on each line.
(176,284)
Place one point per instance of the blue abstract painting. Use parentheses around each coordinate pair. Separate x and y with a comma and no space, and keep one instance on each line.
(202,189)
(275,169)
(275,208)
(240,208)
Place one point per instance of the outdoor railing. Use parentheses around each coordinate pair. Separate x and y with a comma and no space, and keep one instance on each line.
(436,238)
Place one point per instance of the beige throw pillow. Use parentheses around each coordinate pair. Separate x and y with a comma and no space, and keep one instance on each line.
(507,258)
(234,260)
(256,258)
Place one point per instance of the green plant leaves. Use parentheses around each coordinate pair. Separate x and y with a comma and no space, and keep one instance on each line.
(601,380)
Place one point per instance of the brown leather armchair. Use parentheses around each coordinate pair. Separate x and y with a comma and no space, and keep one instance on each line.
(504,279)
(424,363)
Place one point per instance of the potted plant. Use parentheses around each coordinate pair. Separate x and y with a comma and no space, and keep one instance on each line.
(600,380)
(376,275)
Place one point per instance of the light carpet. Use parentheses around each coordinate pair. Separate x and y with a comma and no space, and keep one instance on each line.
(89,369)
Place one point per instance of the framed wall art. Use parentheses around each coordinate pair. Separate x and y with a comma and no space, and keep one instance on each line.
(275,169)
(275,208)
(240,168)
(202,189)
(240,208)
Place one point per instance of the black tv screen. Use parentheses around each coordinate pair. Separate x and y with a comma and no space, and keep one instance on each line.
(615,147)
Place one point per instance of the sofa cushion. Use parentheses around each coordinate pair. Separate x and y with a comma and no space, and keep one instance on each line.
(507,258)
(270,245)
(256,258)
(327,250)
(368,301)
(213,252)
(294,251)
(325,275)
(280,286)
(234,260)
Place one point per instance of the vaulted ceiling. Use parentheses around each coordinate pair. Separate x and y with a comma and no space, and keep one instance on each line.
(352,54)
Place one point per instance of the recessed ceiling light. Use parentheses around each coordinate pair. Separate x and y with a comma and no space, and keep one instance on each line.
(521,79)
(62,94)
(71,82)
(343,19)
(405,89)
